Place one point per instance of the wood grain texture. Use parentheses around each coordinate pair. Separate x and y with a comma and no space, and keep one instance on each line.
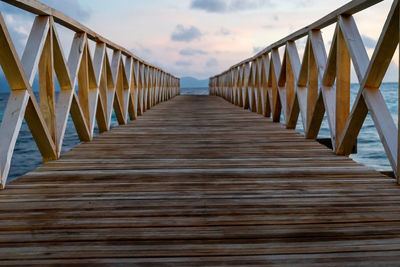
(38,8)
(91,88)
(350,8)
(322,83)
(198,181)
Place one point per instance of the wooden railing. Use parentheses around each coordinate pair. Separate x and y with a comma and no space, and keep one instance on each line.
(123,83)
(321,83)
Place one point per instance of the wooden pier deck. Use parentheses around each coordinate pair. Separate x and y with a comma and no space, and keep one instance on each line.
(198,181)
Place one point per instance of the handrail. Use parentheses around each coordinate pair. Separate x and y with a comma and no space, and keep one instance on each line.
(350,8)
(41,9)
(124,84)
(321,83)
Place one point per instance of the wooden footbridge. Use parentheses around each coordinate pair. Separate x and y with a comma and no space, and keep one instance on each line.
(196,180)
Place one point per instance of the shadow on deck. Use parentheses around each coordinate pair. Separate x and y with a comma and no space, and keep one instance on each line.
(199,181)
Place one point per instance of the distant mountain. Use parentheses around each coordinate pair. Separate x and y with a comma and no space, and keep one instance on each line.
(186,82)
(190,82)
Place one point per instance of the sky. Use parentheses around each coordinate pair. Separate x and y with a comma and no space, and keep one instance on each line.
(200,38)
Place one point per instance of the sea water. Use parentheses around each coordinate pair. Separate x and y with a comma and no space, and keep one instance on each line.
(370,150)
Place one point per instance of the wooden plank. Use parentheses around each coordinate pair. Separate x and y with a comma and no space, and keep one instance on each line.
(9,60)
(99,65)
(39,131)
(141,80)
(245,84)
(378,65)
(47,121)
(251,88)
(41,9)
(108,89)
(328,89)
(34,47)
(275,95)
(9,129)
(119,78)
(83,85)
(17,80)
(75,56)
(350,8)
(79,120)
(259,106)
(355,45)
(198,176)
(60,64)
(343,79)
(316,68)
(292,74)
(46,84)
(131,103)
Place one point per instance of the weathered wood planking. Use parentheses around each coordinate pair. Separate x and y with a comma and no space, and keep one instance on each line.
(103,86)
(197,181)
(321,83)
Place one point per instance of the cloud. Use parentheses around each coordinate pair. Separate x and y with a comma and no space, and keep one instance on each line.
(19,22)
(224,31)
(269,26)
(302,3)
(192,52)
(141,48)
(183,63)
(71,8)
(182,34)
(142,51)
(257,49)
(225,6)
(368,42)
(212,62)
(214,6)
(238,5)
(19,29)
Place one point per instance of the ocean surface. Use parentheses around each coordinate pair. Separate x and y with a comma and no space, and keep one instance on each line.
(370,150)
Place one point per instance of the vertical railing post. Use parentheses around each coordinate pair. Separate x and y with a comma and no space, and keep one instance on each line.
(343,72)
(46,84)
(397,170)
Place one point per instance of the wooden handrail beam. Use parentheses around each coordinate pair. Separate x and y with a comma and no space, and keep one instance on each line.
(38,8)
(322,83)
(350,8)
(123,86)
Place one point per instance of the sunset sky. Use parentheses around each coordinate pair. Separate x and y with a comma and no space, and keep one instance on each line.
(201,38)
